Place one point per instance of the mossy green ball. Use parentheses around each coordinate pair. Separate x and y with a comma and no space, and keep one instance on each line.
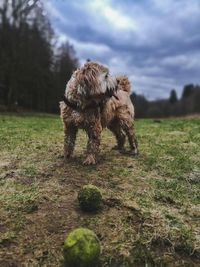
(81,248)
(89,198)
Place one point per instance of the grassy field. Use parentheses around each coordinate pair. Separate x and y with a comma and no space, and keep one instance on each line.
(150,215)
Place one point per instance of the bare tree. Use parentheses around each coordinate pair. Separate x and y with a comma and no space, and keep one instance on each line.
(32,72)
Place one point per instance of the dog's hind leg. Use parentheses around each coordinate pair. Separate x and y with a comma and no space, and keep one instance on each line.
(128,127)
(116,129)
(70,132)
(94,135)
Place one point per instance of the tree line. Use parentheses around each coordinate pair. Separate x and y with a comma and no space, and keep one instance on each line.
(189,103)
(33,67)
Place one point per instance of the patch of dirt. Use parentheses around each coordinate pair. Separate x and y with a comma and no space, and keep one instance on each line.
(4,163)
(44,233)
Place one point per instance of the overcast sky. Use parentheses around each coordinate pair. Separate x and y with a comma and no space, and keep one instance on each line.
(155,42)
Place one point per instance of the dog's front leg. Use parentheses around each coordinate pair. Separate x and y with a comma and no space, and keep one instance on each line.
(94,135)
(69,140)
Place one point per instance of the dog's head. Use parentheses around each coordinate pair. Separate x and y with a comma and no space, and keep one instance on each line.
(94,81)
(91,83)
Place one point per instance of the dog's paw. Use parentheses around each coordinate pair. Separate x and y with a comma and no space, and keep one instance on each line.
(117,148)
(90,160)
(133,152)
(66,157)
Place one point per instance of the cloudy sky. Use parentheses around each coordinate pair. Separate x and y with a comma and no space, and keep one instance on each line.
(155,42)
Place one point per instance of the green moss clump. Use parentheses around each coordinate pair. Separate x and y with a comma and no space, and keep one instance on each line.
(81,248)
(90,198)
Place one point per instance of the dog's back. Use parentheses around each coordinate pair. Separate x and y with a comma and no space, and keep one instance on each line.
(123,94)
(120,104)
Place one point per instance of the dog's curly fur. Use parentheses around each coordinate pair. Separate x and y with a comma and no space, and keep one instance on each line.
(101,101)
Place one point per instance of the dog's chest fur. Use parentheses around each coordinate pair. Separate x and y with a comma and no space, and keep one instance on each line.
(81,119)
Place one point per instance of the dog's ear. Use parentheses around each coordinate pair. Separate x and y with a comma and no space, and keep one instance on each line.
(86,83)
(88,78)
(80,78)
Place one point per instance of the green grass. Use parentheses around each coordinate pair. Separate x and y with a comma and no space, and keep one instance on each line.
(151,206)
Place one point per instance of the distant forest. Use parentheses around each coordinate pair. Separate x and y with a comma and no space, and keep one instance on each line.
(189,103)
(34,68)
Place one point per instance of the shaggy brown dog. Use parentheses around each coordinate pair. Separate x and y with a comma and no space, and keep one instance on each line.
(94,100)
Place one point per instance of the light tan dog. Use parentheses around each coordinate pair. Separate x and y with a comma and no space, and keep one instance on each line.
(94,100)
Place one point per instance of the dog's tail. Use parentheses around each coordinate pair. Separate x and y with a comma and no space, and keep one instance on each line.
(123,83)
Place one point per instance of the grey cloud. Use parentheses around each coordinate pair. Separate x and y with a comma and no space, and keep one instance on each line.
(159,51)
